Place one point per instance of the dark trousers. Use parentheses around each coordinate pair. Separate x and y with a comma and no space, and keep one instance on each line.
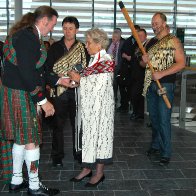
(137,100)
(124,95)
(65,107)
(115,84)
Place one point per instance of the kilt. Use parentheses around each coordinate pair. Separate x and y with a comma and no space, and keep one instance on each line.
(20,121)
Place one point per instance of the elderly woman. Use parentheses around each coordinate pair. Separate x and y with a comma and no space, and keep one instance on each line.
(97,108)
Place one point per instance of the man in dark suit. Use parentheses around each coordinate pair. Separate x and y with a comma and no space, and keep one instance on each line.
(114,49)
(125,72)
(137,80)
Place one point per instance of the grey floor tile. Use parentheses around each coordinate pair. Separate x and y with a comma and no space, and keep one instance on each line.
(133,174)
(189,173)
(50,175)
(104,193)
(173,193)
(117,165)
(127,150)
(181,165)
(162,193)
(163,174)
(131,193)
(76,193)
(164,184)
(120,185)
(188,156)
(186,183)
(8,194)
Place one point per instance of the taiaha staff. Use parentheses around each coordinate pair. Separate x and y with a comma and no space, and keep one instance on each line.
(134,33)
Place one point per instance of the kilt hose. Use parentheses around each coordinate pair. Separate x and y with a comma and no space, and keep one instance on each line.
(20,124)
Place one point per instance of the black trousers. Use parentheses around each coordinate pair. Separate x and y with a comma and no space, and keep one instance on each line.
(65,107)
(124,95)
(137,99)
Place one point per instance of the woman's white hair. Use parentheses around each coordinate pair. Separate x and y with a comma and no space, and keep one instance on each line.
(98,36)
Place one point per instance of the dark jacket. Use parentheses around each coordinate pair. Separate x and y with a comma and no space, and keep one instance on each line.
(25,76)
(1,55)
(125,69)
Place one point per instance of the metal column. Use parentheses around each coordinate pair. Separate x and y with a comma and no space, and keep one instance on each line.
(182,113)
(18,10)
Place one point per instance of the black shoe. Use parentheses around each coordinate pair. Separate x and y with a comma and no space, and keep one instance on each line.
(16,188)
(57,163)
(136,117)
(152,151)
(149,124)
(94,185)
(78,180)
(43,191)
(132,115)
(122,109)
(164,161)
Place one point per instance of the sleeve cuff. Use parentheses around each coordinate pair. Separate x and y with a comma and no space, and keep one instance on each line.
(42,102)
(57,82)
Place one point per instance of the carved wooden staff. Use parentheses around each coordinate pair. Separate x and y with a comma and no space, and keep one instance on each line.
(162,91)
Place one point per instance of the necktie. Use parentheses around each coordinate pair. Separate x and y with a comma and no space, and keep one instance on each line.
(114,50)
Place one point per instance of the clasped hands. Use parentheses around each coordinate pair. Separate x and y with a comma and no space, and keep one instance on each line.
(72,81)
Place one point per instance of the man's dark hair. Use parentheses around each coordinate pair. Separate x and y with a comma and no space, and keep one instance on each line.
(119,29)
(71,19)
(143,31)
(45,11)
(137,27)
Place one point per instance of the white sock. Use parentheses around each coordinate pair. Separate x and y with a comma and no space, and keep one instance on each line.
(18,160)
(32,162)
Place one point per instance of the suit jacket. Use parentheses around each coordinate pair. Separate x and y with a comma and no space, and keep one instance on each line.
(25,76)
(125,68)
(119,54)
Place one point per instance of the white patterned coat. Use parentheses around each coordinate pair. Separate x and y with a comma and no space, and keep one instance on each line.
(97,114)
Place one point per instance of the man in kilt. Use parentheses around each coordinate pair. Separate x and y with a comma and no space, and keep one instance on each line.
(22,99)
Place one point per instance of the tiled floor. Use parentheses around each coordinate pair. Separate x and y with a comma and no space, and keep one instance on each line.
(132,173)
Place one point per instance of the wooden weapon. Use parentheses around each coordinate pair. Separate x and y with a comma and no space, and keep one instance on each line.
(162,91)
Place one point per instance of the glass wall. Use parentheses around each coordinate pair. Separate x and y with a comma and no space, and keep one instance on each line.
(107,15)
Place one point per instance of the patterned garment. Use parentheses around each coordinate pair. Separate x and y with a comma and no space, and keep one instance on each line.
(21,126)
(10,53)
(161,57)
(97,112)
(6,160)
(75,56)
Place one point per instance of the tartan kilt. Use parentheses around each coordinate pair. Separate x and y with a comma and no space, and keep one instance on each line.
(20,121)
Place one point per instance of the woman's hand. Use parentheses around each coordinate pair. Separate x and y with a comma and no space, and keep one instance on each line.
(64,82)
(74,76)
